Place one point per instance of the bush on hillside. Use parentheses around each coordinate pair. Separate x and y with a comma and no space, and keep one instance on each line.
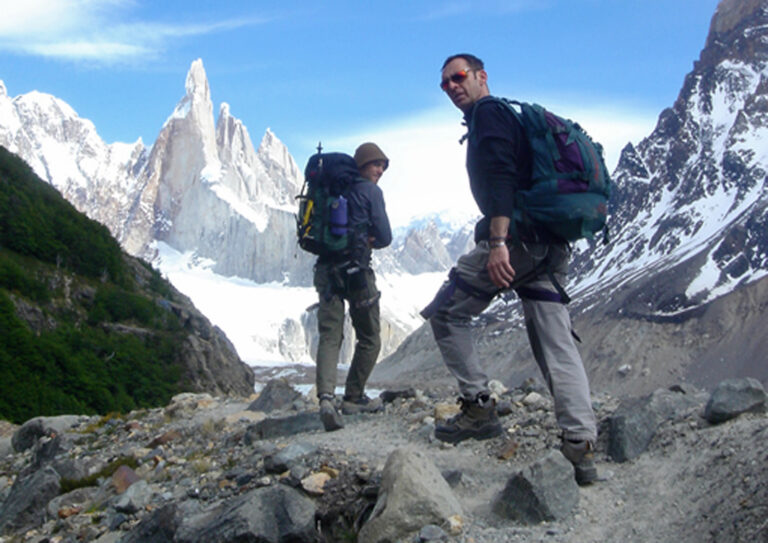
(113,350)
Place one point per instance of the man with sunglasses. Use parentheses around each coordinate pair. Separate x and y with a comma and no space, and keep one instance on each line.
(499,163)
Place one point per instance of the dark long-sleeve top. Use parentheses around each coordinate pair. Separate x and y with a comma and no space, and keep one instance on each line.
(368,219)
(498,163)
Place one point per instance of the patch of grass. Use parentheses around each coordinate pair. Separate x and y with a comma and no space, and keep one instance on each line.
(201,465)
(92,427)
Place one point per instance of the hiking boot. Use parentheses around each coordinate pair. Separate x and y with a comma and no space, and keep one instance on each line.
(330,417)
(477,420)
(363,404)
(582,455)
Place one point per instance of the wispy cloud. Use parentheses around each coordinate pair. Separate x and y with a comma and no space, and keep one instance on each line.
(95,31)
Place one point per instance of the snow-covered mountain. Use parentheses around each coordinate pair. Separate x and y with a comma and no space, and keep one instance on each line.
(200,187)
(202,194)
(687,222)
(680,288)
(690,199)
(100,180)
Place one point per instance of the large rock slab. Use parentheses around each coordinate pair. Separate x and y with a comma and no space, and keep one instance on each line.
(276,514)
(32,430)
(413,494)
(25,507)
(283,426)
(636,421)
(733,397)
(544,491)
(277,394)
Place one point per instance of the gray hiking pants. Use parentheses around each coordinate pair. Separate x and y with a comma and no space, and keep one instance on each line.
(547,322)
(334,286)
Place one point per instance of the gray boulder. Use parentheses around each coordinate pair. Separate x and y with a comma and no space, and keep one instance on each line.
(635,422)
(733,397)
(161,525)
(135,498)
(282,426)
(274,514)
(32,430)
(277,394)
(413,494)
(6,446)
(25,507)
(544,491)
(79,497)
(287,457)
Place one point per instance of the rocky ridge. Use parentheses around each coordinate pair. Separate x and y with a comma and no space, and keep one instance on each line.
(679,465)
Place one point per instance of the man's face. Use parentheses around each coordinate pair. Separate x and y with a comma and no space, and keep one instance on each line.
(373,170)
(463,85)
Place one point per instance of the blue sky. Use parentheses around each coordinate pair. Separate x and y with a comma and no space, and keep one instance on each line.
(350,71)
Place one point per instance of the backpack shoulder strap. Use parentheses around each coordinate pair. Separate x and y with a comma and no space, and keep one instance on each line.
(503,102)
(470,123)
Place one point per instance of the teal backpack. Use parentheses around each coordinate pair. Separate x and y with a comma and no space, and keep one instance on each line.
(570,183)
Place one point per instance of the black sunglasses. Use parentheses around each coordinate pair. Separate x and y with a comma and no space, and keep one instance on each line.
(457,78)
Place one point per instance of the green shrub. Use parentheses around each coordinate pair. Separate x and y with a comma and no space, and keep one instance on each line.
(14,278)
(86,364)
(36,221)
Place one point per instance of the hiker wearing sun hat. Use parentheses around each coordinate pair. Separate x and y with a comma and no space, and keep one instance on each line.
(370,152)
(349,278)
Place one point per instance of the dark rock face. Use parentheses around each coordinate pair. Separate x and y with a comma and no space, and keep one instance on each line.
(544,491)
(277,394)
(635,422)
(272,515)
(25,507)
(733,397)
(692,189)
(211,363)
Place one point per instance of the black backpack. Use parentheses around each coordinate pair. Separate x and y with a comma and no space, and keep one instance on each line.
(322,222)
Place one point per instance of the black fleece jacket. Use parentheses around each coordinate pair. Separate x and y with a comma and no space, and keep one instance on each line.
(498,162)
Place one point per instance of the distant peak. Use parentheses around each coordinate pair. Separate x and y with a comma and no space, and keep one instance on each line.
(224,110)
(730,13)
(737,32)
(197,82)
(3,91)
(270,141)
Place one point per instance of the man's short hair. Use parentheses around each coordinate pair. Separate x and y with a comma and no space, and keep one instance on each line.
(474,62)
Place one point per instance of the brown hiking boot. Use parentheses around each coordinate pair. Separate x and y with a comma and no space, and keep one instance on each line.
(477,420)
(582,455)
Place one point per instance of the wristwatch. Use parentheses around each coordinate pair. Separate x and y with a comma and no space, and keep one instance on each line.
(494,244)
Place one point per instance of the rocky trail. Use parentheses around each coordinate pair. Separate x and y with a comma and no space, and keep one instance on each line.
(680,465)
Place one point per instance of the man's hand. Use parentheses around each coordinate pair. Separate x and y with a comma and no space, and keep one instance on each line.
(501,271)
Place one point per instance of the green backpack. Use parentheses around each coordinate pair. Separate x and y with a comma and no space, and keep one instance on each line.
(570,183)
(322,222)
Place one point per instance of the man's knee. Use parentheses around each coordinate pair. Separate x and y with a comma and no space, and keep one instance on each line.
(369,343)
